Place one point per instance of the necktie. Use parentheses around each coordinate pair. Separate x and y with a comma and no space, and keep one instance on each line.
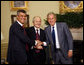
(37,35)
(53,37)
(27,49)
(37,38)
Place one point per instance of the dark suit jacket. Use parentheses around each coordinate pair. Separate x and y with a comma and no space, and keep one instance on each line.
(17,41)
(64,37)
(32,35)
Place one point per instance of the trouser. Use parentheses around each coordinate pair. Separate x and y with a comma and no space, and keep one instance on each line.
(60,59)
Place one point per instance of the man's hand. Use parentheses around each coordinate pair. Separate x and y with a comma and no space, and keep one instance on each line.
(70,54)
(38,41)
(38,45)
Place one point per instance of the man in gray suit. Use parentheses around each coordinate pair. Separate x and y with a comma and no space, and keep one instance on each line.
(60,40)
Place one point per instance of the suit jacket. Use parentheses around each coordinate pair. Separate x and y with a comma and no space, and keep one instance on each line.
(64,37)
(32,35)
(17,41)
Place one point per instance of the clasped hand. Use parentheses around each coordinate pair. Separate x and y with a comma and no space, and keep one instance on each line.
(38,45)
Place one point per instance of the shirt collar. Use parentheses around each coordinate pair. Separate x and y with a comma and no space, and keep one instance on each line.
(19,23)
(54,26)
(36,28)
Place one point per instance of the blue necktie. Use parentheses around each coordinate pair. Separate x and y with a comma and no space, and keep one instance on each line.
(53,37)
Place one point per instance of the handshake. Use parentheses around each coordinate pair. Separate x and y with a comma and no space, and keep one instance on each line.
(39,45)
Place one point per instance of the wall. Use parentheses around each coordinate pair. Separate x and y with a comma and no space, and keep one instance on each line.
(36,8)
(41,8)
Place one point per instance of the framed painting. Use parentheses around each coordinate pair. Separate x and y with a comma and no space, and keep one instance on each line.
(13,19)
(15,5)
(71,6)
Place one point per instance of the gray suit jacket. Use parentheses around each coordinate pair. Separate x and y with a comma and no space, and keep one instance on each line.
(64,37)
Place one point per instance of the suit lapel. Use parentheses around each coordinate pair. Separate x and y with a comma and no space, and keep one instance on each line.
(41,35)
(19,26)
(58,32)
(50,35)
(33,33)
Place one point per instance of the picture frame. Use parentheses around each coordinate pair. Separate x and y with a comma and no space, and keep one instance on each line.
(13,19)
(15,5)
(70,6)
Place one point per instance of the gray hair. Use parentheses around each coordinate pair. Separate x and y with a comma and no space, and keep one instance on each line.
(51,13)
(36,17)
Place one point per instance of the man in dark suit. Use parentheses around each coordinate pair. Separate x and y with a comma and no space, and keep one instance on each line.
(36,54)
(60,39)
(18,40)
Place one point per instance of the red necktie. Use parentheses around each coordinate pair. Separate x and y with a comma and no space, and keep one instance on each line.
(37,35)
(27,48)
(37,38)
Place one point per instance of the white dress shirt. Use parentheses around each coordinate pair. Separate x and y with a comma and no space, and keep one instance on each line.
(37,29)
(19,23)
(44,43)
(56,35)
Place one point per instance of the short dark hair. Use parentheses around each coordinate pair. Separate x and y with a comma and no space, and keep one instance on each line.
(21,10)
